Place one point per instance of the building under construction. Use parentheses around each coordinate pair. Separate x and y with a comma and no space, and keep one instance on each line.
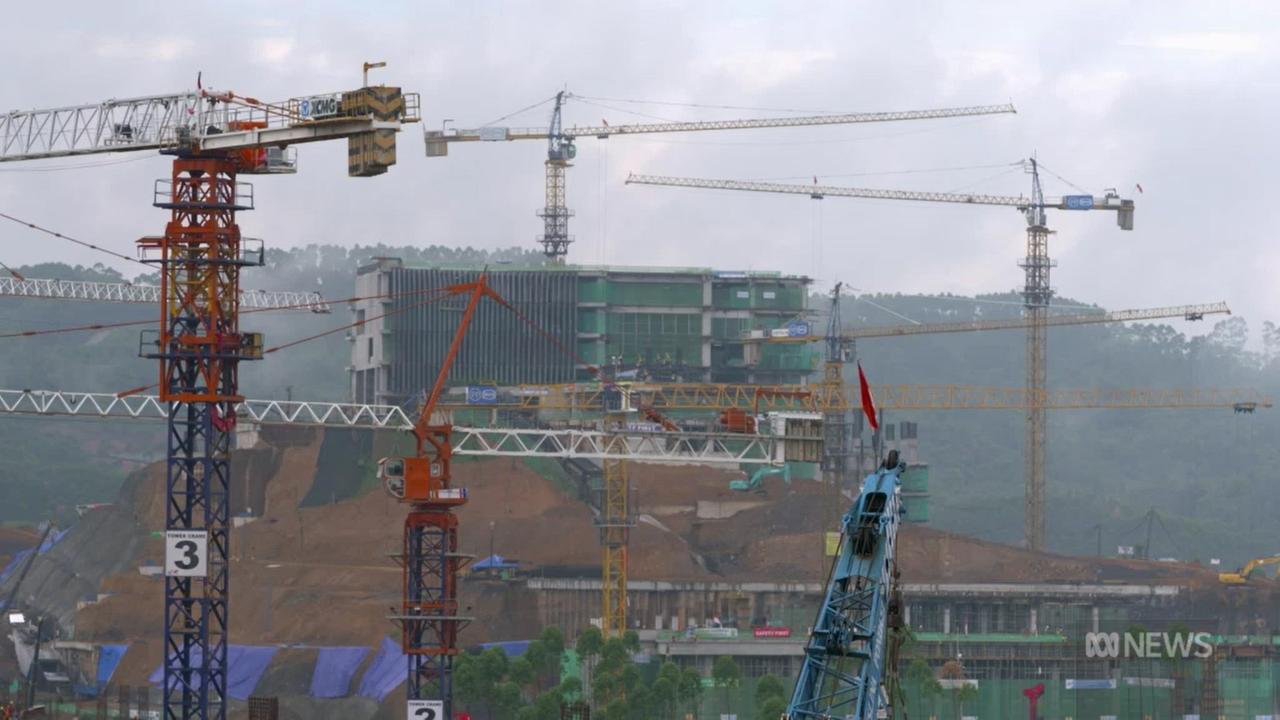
(682,324)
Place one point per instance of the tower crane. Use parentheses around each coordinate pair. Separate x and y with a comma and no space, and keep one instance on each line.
(562,147)
(1036,291)
(213,137)
(429,618)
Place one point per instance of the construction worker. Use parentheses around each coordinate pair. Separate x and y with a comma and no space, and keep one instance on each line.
(7,713)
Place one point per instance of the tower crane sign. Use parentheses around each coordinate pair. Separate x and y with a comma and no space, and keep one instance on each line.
(1036,295)
(213,138)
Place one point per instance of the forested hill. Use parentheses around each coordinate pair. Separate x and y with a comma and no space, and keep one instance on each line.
(1209,473)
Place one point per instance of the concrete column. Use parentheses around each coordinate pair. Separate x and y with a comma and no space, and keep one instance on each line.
(946,620)
(906,614)
(1035,626)
(1094,612)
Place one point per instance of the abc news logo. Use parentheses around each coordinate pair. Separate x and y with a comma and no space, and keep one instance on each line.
(1147,645)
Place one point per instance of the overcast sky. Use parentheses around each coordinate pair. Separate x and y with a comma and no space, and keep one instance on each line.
(1178,97)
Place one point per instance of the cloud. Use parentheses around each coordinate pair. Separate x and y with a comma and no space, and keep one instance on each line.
(762,70)
(1221,44)
(159,50)
(273,50)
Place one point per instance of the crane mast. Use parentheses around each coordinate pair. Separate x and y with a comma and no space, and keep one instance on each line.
(561,147)
(429,615)
(555,215)
(214,138)
(1036,294)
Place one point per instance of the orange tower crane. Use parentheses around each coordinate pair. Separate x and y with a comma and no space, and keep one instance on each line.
(429,618)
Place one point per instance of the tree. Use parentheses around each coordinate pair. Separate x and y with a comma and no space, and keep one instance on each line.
(966,693)
(768,687)
(590,642)
(772,708)
(727,675)
(920,677)
(631,641)
(691,690)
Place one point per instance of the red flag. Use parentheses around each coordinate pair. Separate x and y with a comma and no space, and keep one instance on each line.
(868,402)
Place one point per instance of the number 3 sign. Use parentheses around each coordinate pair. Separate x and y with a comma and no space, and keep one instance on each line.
(186,553)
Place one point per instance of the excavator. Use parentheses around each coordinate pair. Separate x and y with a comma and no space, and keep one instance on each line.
(1241,576)
(757,478)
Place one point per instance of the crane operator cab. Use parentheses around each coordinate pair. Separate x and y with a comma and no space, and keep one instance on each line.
(418,480)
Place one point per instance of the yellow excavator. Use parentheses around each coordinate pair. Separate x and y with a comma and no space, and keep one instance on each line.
(1242,576)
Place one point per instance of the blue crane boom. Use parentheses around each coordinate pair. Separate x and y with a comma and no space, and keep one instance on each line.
(845,659)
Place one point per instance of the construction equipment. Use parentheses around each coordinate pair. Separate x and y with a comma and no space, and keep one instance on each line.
(123,292)
(758,478)
(682,397)
(1242,576)
(1185,312)
(428,617)
(214,137)
(561,147)
(1037,291)
(849,653)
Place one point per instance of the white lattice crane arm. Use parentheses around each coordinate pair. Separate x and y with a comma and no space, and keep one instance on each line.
(392,417)
(199,120)
(498,134)
(137,293)
(1187,312)
(1123,207)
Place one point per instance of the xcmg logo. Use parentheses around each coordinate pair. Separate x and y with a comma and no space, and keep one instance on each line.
(1147,645)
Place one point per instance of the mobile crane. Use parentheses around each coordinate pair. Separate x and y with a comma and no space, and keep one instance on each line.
(850,654)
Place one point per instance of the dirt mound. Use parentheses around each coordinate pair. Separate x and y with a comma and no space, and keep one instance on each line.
(926,555)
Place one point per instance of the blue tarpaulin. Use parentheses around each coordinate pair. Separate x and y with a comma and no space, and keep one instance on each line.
(513,648)
(245,665)
(53,539)
(387,671)
(14,564)
(245,668)
(495,562)
(108,658)
(335,666)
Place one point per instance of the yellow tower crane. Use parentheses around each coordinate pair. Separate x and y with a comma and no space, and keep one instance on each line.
(1036,292)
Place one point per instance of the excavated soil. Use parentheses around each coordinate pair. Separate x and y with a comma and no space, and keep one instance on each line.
(321,574)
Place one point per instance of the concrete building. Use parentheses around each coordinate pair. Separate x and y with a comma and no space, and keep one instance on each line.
(673,324)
